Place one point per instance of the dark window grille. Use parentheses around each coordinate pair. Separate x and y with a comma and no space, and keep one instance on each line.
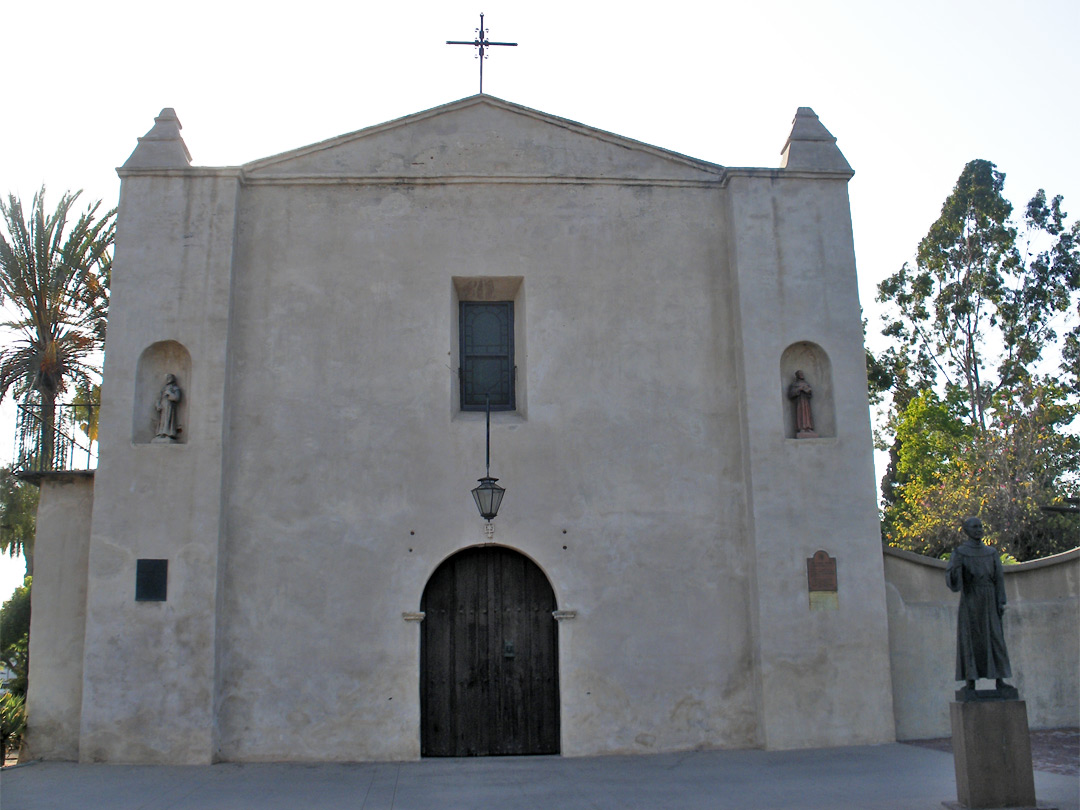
(487,355)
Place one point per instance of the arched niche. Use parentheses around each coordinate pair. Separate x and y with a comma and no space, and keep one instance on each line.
(813,362)
(156,362)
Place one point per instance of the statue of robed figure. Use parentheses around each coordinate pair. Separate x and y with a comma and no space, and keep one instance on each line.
(800,392)
(168,424)
(975,572)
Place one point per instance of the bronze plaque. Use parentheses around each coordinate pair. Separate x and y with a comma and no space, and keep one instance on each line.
(821,572)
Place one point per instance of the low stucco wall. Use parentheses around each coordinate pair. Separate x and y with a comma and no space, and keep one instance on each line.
(1042,631)
(58,615)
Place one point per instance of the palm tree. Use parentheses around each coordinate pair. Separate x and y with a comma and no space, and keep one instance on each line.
(57,280)
(18,518)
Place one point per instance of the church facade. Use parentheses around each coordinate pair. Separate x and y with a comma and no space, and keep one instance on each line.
(283,559)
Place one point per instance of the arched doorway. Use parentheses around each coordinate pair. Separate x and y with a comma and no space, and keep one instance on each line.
(489,667)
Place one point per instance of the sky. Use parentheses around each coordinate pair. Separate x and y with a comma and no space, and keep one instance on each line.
(911,91)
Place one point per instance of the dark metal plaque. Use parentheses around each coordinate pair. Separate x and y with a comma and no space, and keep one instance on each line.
(821,572)
(151,580)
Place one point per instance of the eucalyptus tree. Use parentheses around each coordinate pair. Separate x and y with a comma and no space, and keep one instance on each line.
(989,304)
(986,296)
(54,278)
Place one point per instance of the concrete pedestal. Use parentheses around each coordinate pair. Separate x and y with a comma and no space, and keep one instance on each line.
(992,753)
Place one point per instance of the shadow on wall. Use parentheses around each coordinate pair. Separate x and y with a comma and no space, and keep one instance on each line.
(155,363)
(813,362)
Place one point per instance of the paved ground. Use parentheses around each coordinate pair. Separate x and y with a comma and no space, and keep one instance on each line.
(885,777)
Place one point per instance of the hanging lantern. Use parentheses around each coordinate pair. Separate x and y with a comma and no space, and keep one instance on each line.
(488,497)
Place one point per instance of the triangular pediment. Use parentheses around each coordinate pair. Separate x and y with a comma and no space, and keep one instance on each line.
(483,137)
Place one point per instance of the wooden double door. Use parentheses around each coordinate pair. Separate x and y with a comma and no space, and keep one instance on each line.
(489,671)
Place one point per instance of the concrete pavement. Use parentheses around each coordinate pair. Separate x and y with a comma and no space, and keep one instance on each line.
(889,777)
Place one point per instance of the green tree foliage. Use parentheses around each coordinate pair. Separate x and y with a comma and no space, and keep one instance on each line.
(14,656)
(976,428)
(12,722)
(18,517)
(929,435)
(86,401)
(57,278)
(15,637)
(943,468)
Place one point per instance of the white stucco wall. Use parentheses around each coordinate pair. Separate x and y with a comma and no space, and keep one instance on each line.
(325,468)
(824,674)
(1042,633)
(58,611)
(345,440)
(149,666)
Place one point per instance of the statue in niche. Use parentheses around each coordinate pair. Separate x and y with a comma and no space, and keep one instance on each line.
(975,572)
(168,401)
(800,391)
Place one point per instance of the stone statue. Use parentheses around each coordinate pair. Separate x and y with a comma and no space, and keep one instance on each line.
(975,571)
(166,406)
(801,392)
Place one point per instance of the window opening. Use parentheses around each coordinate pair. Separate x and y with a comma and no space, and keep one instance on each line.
(487,355)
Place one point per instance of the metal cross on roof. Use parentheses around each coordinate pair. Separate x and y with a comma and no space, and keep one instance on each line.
(481,42)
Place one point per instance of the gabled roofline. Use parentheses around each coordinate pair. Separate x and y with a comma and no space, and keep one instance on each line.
(260,172)
(471,101)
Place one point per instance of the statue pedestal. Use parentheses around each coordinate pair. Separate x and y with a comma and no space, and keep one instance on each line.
(992,753)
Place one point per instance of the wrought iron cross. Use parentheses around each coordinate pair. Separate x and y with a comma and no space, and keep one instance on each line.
(481,42)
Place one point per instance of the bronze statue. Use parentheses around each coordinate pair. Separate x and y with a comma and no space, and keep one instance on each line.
(800,391)
(975,571)
(168,425)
